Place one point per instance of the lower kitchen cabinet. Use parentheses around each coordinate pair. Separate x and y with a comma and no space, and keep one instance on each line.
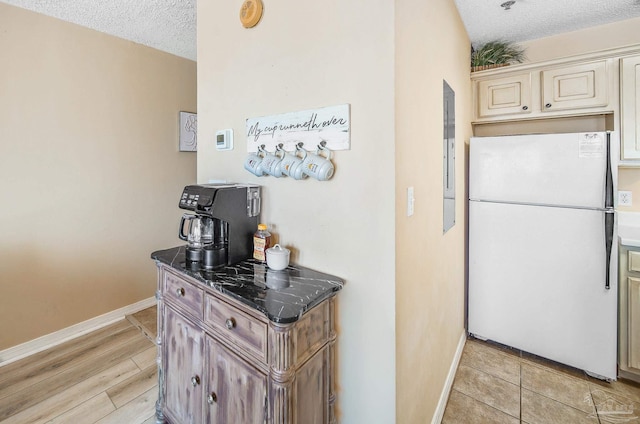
(222,362)
(236,391)
(183,368)
(629,325)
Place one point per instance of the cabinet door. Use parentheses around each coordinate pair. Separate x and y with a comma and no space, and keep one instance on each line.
(183,368)
(575,87)
(236,392)
(633,325)
(630,107)
(504,96)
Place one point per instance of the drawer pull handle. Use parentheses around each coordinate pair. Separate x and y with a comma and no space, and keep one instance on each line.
(525,107)
(548,105)
(180,291)
(212,398)
(230,323)
(195,380)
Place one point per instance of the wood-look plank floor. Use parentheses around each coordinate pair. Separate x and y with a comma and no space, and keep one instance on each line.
(107,376)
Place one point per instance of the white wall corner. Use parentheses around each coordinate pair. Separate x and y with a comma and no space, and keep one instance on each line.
(446,390)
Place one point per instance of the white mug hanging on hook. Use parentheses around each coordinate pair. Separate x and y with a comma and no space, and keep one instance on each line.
(271,164)
(291,164)
(253,162)
(317,166)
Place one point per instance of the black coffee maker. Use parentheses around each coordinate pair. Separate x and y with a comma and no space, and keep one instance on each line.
(226,216)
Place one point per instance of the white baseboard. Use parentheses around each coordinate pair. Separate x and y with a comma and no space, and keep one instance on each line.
(446,390)
(49,340)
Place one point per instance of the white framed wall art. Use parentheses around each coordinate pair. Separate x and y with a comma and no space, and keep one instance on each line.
(188,132)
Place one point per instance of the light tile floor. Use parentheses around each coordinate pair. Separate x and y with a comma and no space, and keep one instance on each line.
(495,384)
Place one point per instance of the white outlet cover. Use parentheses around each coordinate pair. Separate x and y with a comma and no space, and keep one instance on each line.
(625,198)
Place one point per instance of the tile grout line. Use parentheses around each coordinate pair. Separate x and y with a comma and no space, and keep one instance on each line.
(484,403)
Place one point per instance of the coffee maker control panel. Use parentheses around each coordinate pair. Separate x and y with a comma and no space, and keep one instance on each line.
(189,200)
(200,198)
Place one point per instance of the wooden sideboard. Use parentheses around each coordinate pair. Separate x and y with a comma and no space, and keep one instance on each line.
(221,361)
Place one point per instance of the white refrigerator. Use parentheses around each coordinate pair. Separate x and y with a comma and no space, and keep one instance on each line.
(542,257)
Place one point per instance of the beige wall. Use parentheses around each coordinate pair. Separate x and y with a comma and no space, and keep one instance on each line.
(616,34)
(309,55)
(305,55)
(629,180)
(89,170)
(431,45)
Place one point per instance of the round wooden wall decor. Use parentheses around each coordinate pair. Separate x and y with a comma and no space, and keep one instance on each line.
(250,13)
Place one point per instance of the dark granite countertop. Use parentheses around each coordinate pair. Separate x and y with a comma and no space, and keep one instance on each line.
(283,296)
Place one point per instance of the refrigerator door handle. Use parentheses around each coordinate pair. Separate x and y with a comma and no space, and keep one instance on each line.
(608,197)
(609,218)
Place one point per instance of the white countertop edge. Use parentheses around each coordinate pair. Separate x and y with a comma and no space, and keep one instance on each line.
(629,228)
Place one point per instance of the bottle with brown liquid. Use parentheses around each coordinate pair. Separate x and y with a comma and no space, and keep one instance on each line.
(261,242)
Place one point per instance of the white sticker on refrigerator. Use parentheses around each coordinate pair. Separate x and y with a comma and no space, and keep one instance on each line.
(591,145)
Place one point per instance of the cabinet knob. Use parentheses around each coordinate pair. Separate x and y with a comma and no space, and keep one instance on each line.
(230,323)
(548,105)
(525,107)
(195,380)
(212,398)
(180,291)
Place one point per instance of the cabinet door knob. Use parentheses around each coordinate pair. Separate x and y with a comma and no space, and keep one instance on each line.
(230,323)
(548,105)
(180,291)
(212,398)
(195,380)
(525,107)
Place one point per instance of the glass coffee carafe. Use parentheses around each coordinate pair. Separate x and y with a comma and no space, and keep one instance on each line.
(207,239)
(198,234)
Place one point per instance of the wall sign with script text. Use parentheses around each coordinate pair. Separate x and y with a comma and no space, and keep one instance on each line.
(310,127)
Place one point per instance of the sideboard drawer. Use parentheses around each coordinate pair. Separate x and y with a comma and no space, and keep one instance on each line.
(240,328)
(182,293)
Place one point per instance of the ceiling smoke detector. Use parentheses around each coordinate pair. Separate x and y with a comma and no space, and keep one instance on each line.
(507,4)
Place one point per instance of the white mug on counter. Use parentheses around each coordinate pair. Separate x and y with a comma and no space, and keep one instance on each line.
(317,166)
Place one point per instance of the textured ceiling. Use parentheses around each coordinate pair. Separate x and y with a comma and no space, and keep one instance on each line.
(170,25)
(167,25)
(486,20)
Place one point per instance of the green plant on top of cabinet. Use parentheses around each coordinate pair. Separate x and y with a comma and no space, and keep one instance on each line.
(630,106)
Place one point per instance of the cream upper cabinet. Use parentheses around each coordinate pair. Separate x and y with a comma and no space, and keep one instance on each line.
(547,90)
(504,96)
(575,87)
(630,106)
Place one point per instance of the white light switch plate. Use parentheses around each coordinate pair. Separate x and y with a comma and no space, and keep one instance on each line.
(410,201)
(624,198)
